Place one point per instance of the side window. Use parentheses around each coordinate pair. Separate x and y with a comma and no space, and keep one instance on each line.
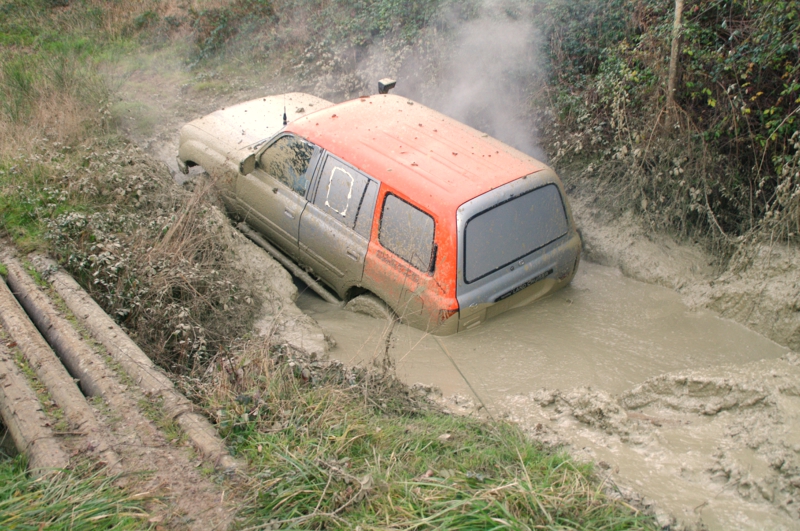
(341,188)
(407,232)
(367,209)
(287,160)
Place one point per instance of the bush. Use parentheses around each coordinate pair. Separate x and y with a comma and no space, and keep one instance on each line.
(214,27)
(723,165)
(155,257)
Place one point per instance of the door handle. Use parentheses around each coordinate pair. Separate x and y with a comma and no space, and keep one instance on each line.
(289,215)
(354,255)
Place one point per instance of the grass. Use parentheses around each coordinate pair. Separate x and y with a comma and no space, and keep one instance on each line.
(333,448)
(69,501)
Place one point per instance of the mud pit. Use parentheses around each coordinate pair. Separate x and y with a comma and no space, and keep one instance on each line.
(621,372)
(673,403)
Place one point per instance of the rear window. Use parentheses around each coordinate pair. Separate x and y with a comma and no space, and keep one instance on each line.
(509,231)
(408,232)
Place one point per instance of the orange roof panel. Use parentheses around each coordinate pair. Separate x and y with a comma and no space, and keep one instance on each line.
(434,160)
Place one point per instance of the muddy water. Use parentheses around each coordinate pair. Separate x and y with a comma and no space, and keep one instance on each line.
(604,330)
(586,366)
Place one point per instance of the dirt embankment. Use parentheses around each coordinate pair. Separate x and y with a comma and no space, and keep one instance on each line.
(759,287)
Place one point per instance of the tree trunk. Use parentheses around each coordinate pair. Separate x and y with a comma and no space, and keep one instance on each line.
(673,58)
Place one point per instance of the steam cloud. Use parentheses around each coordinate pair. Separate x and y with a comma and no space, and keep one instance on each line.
(479,75)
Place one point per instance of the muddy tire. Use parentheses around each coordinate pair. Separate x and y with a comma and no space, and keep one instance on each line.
(371,305)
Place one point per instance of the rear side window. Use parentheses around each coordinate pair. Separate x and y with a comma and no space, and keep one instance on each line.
(340,194)
(408,232)
(287,160)
(509,231)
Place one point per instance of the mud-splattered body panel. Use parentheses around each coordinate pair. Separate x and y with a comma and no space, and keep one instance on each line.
(380,194)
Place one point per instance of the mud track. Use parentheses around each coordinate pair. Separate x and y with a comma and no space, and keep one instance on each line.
(68,398)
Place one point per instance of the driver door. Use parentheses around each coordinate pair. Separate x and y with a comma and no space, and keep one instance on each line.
(273,195)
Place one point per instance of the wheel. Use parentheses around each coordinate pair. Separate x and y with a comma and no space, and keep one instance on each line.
(371,305)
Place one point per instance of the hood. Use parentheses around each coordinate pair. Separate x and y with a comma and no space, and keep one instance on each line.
(246,124)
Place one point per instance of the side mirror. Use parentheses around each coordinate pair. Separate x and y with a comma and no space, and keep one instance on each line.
(248,164)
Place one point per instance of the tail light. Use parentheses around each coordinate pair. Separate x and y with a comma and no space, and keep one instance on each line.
(444,315)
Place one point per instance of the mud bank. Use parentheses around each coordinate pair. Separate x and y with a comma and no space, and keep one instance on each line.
(280,318)
(759,287)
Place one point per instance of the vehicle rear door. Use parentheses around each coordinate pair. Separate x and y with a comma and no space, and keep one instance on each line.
(336,224)
(405,259)
(273,196)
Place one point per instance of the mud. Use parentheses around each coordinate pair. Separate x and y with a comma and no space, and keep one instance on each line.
(758,287)
(715,448)
(623,373)
(279,318)
(603,330)
(761,289)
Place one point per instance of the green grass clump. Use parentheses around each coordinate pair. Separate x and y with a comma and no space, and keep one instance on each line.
(30,196)
(333,448)
(71,500)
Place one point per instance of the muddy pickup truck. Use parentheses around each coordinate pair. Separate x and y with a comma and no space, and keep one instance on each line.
(382,198)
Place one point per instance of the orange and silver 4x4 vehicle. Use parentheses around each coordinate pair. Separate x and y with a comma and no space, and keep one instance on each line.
(381,195)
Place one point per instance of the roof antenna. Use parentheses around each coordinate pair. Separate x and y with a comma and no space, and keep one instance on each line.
(285,120)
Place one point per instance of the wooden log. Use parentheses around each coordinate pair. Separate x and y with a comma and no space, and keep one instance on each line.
(26,423)
(54,376)
(138,366)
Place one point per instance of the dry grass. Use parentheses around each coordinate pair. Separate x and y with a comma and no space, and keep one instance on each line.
(156,257)
(58,97)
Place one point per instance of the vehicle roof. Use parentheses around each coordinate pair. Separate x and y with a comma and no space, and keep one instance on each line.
(437,162)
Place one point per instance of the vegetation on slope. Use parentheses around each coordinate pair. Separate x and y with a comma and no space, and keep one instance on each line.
(70,183)
(726,161)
